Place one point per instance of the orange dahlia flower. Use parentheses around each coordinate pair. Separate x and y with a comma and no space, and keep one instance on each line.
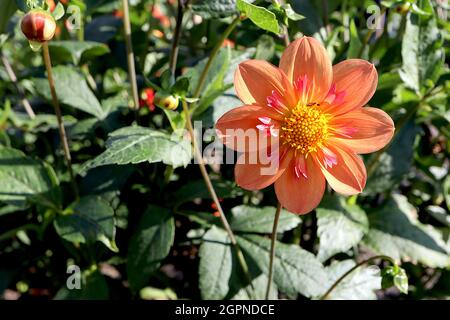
(313,115)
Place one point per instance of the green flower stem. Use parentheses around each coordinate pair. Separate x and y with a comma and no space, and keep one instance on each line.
(130,54)
(12,76)
(286,39)
(338,281)
(213,54)
(209,185)
(272,248)
(62,130)
(176,37)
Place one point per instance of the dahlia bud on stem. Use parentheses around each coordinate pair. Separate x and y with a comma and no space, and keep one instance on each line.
(38,26)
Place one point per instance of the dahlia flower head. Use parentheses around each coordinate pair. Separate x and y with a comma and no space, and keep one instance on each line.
(310,119)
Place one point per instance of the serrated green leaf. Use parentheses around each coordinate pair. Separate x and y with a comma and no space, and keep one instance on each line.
(24,179)
(295,270)
(215,264)
(72,90)
(340,226)
(180,87)
(396,232)
(422,52)
(260,16)
(138,144)
(260,220)
(88,220)
(149,245)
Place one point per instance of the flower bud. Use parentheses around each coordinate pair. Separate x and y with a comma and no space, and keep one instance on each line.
(38,25)
(165,100)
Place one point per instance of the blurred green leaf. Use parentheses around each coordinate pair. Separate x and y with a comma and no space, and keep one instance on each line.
(395,276)
(149,245)
(260,220)
(422,52)
(260,16)
(138,144)
(355,43)
(265,50)
(396,232)
(25,179)
(340,226)
(8,9)
(72,90)
(79,52)
(88,220)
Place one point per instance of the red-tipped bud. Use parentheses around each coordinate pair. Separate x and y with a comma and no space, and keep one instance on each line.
(167,101)
(38,25)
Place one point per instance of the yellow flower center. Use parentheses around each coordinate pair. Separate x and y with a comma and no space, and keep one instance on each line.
(305,129)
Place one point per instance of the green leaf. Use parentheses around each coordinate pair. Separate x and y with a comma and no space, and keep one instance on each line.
(196,189)
(72,90)
(75,51)
(395,276)
(358,285)
(149,245)
(340,226)
(93,287)
(355,43)
(260,16)
(214,8)
(260,220)
(58,12)
(138,144)
(215,264)
(396,232)
(8,9)
(259,293)
(88,220)
(422,52)
(446,190)
(24,179)
(180,87)
(265,50)
(291,14)
(394,163)
(295,270)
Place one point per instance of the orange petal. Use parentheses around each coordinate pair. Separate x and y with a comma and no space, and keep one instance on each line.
(256,175)
(299,194)
(255,80)
(358,79)
(238,128)
(307,56)
(348,176)
(371,129)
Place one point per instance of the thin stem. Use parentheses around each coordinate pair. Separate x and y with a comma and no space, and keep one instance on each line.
(213,54)
(369,35)
(13,77)
(372,165)
(286,39)
(176,38)
(272,248)
(198,156)
(338,281)
(130,54)
(62,130)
